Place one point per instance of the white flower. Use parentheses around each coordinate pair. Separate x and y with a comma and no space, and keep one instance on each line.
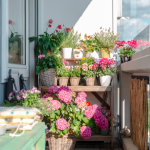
(77,109)
(83,109)
(71,109)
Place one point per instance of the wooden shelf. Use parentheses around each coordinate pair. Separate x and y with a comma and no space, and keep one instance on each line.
(71,59)
(85,88)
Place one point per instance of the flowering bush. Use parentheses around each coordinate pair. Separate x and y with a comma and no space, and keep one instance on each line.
(70,114)
(106,67)
(75,71)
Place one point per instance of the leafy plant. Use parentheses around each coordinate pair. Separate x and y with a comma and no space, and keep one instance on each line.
(75,72)
(62,72)
(126,51)
(46,62)
(89,44)
(70,39)
(88,60)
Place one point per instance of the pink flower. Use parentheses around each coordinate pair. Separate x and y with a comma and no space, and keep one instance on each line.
(61,124)
(96,108)
(85,132)
(85,66)
(10,21)
(67,30)
(67,62)
(90,67)
(65,96)
(59,26)
(53,89)
(37,91)
(89,113)
(34,88)
(95,66)
(11,94)
(47,95)
(18,97)
(67,68)
(41,56)
(82,94)
(31,91)
(50,21)
(56,30)
(24,95)
(81,105)
(10,57)
(56,104)
(80,99)
(50,25)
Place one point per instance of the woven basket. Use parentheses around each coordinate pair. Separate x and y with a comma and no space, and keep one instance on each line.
(90,81)
(47,78)
(67,142)
(74,81)
(63,81)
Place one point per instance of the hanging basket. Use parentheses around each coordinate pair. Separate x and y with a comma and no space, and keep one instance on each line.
(63,81)
(90,81)
(47,78)
(67,142)
(74,81)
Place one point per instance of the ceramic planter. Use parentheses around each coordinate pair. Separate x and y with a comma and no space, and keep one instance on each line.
(104,132)
(105,80)
(94,54)
(90,81)
(77,54)
(74,81)
(63,81)
(105,52)
(67,53)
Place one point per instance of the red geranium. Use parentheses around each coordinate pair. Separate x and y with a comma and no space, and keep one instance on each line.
(10,21)
(50,26)
(56,30)
(88,104)
(59,26)
(50,21)
(67,30)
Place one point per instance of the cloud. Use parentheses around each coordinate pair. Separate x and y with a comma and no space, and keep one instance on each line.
(143,3)
(146,16)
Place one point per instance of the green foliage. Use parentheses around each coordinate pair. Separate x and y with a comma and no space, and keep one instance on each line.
(46,63)
(89,73)
(8,104)
(88,60)
(62,72)
(106,38)
(75,72)
(70,39)
(126,51)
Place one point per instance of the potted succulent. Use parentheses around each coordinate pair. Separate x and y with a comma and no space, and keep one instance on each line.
(45,67)
(105,40)
(106,70)
(69,42)
(126,49)
(90,46)
(75,74)
(70,116)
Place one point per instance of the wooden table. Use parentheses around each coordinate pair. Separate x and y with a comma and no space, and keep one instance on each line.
(93,90)
(35,137)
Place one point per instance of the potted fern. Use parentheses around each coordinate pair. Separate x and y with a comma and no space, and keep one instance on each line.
(69,42)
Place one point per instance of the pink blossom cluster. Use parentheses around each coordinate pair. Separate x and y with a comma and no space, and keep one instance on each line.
(34,90)
(65,62)
(81,105)
(47,95)
(41,56)
(85,67)
(79,99)
(141,43)
(10,57)
(53,89)
(61,124)
(120,43)
(55,104)
(101,120)
(132,43)
(65,96)
(105,62)
(95,66)
(82,94)
(64,88)
(85,132)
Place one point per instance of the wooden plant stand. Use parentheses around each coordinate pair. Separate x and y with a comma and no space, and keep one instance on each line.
(93,90)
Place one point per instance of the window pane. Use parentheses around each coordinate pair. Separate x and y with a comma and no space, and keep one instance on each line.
(16,15)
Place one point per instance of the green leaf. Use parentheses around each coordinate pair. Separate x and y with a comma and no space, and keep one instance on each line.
(58,112)
(53,124)
(57,117)
(85,120)
(53,129)
(52,115)
(73,110)
(74,122)
(65,131)
(62,106)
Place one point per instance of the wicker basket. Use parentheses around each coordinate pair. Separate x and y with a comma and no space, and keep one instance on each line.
(74,81)
(67,142)
(90,81)
(63,81)
(47,78)
(40,119)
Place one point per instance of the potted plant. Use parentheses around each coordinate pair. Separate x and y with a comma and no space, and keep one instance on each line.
(75,74)
(105,40)
(90,46)
(78,53)
(69,42)
(46,69)
(126,49)
(107,69)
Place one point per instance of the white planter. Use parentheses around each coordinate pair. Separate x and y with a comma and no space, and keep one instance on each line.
(105,80)
(67,52)
(95,54)
(77,54)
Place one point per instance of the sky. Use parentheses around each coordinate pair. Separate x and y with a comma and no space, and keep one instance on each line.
(139,13)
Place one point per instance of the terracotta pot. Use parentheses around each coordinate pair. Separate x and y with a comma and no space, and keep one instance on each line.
(63,81)
(90,81)
(74,81)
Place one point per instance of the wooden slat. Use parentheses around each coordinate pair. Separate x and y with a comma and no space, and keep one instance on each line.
(101,100)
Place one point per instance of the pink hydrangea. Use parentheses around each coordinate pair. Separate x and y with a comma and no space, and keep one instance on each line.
(81,105)
(47,95)
(65,96)
(80,99)
(85,132)
(101,120)
(61,124)
(53,89)
(64,88)
(56,104)
(96,108)
(82,94)
(89,113)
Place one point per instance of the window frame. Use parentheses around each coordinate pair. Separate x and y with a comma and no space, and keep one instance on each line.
(5,65)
